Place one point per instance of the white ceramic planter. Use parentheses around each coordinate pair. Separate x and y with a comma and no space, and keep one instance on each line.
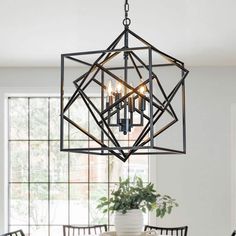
(130,223)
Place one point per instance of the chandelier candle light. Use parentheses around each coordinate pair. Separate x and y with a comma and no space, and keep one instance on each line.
(139,112)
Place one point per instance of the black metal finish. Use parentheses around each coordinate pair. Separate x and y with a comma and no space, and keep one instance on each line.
(14,233)
(177,231)
(121,108)
(71,230)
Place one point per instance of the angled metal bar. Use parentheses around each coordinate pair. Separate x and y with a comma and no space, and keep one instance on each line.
(80,78)
(76,94)
(87,152)
(144,115)
(140,76)
(98,69)
(135,66)
(71,101)
(103,87)
(155,153)
(168,57)
(166,98)
(93,152)
(114,43)
(170,97)
(112,46)
(80,61)
(139,67)
(172,112)
(110,148)
(158,133)
(85,74)
(147,127)
(154,75)
(109,57)
(112,113)
(145,130)
(112,137)
(105,51)
(90,136)
(83,130)
(85,98)
(91,70)
(168,150)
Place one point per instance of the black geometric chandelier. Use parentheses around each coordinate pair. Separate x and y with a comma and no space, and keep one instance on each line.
(141,105)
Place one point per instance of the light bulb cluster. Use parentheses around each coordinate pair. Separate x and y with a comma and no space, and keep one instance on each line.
(129,105)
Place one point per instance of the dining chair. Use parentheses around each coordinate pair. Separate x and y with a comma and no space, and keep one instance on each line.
(177,231)
(71,230)
(234,233)
(15,233)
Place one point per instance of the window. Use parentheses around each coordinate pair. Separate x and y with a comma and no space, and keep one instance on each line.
(48,188)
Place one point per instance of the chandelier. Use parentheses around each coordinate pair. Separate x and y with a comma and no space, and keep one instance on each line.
(141,99)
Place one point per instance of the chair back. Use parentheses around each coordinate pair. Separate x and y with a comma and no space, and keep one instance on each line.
(177,231)
(15,233)
(70,230)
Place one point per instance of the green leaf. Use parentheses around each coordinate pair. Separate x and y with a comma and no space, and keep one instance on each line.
(137,195)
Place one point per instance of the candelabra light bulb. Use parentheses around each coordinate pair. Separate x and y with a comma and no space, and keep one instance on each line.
(142,90)
(109,89)
(118,87)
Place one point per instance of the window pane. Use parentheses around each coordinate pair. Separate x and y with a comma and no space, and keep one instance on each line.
(18,118)
(58,163)
(54,111)
(117,169)
(96,192)
(38,204)
(17,227)
(39,231)
(56,231)
(94,129)
(18,204)
(54,118)
(58,204)
(111,216)
(64,187)
(78,112)
(38,161)
(138,166)
(79,204)
(78,163)
(18,152)
(39,118)
(98,168)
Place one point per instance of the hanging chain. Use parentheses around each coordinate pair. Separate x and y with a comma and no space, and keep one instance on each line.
(126,21)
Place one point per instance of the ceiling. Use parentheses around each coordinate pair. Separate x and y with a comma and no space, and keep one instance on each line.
(35,33)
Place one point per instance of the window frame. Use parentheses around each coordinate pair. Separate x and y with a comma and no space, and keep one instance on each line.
(152,159)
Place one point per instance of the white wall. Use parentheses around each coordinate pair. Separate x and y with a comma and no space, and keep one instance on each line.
(200,180)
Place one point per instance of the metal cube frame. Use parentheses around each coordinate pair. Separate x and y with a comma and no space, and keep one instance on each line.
(143,145)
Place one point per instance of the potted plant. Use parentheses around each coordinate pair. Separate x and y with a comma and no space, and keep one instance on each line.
(128,202)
